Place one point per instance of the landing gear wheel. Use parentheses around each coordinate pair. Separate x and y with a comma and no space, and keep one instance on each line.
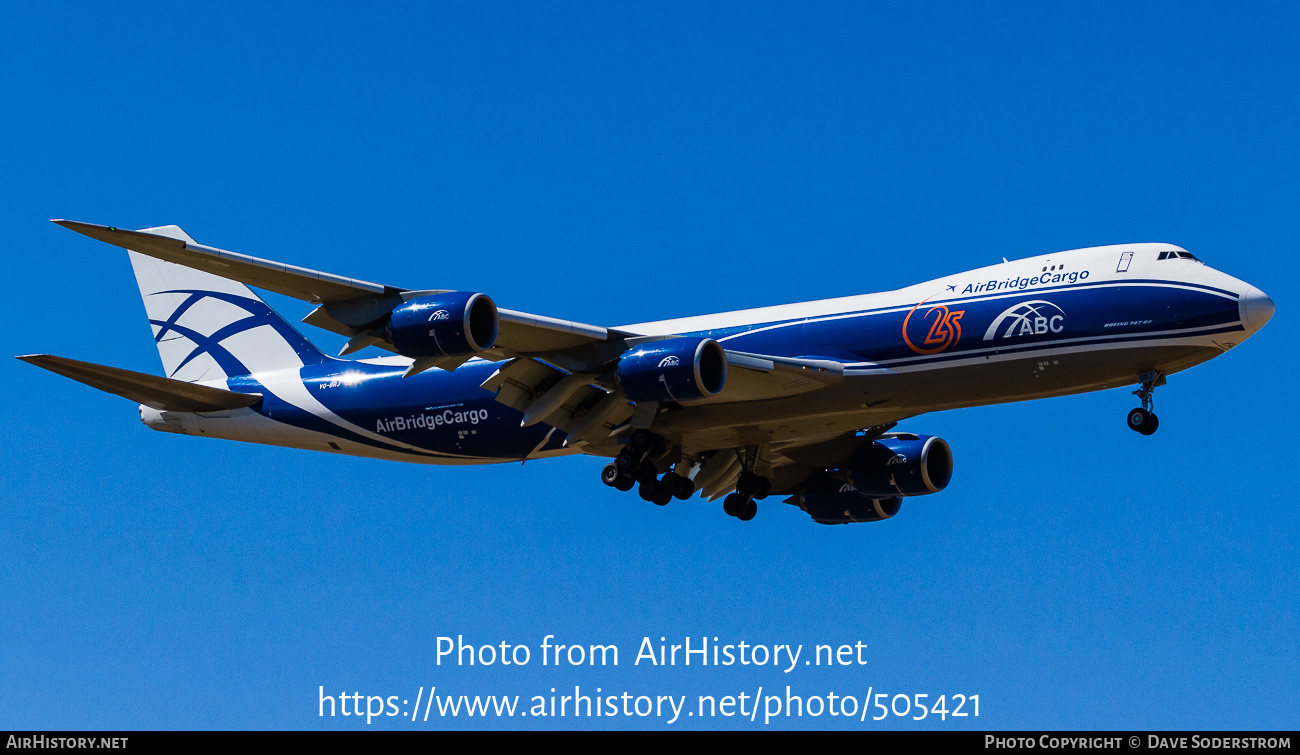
(748,512)
(647,472)
(1143,421)
(641,441)
(650,490)
(624,483)
(645,442)
(733,504)
(684,487)
(609,475)
(1137,418)
(627,462)
(663,497)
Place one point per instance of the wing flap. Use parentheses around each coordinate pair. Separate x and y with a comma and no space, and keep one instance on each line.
(158,392)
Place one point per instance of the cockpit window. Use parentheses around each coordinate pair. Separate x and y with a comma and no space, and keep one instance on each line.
(1178,256)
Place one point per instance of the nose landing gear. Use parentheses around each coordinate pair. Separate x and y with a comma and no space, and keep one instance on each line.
(1143,420)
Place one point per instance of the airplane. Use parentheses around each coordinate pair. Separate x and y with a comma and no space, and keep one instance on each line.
(797,399)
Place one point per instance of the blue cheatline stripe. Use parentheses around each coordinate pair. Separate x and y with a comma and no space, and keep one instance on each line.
(740,330)
(1102,284)
(1044,346)
(308,421)
(305,420)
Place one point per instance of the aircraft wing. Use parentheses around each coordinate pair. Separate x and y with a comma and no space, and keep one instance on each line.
(348,305)
(554,370)
(174,246)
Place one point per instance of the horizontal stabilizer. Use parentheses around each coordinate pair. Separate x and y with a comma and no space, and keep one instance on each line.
(158,392)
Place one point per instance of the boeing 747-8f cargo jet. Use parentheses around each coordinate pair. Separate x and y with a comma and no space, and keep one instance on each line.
(798,400)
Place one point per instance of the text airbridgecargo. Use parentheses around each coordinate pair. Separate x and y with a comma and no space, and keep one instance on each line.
(799,401)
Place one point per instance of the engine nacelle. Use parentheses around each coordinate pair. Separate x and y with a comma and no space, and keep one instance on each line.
(676,369)
(831,501)
(454,324)
(902,464)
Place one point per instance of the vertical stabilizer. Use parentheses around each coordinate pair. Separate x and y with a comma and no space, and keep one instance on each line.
(208,327)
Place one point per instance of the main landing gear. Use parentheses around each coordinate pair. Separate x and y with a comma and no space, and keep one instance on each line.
(1143,420)
(647,463)
(750,487)
(640,462)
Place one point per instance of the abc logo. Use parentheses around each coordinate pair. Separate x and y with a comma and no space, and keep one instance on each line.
(1030,318)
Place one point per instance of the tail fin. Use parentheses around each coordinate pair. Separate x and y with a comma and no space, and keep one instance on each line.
(208,327)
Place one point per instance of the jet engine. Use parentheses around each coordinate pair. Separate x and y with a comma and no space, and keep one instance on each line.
(902,464)
(676,369)
(831,501)
(877,478)
(457,323)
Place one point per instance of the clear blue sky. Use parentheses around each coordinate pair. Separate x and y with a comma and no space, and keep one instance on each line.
(611,165)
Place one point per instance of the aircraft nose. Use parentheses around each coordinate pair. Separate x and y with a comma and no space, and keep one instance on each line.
(1256,308)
